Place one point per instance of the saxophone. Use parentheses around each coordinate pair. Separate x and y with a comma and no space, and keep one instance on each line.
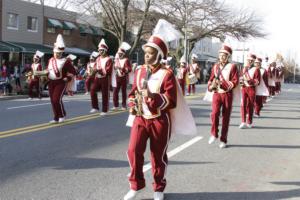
(29,76)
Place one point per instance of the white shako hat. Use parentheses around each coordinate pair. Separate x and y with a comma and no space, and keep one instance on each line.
(102,45)
(124,47)
(163,33)
(59,45)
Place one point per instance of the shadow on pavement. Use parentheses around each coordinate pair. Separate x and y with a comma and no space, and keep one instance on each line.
(264,146)
(264,195)
(88,163)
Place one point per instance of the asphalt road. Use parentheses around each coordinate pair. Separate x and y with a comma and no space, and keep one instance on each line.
(85,159)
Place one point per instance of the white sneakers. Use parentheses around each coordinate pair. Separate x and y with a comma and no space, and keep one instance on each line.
(132,194)
(243,125)
(30,98)
(123,108)
(158,196)
(87,93)
(61,120)
(211,139)
(93,110)
(115,108)
(103,113)
(53,122)
(222,145)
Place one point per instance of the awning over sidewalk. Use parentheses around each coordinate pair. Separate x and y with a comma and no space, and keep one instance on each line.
(6,47)
(31,48)
(97,31)
(84,29)
(54,23)
(69,25)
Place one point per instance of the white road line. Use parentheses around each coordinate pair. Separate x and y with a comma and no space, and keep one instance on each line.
(175,151)
(27,106)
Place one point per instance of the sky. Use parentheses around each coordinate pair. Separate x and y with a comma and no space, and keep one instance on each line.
(281,22)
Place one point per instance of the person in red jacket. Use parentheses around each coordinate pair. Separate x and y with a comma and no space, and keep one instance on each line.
(122,67)
(102,79)
(261,89)
(60,71)
(222,81)
(249,79)
(34,81)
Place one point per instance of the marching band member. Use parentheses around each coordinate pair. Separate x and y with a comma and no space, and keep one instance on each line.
(193,70)
(60,71)
(102,79)
(72,85)
(279,76)
(181,74)
(271,78)
(89,73)
(261,89)
(222,81)
(249,79)
(121,69)
(34,81)
(153,98)
(165,63)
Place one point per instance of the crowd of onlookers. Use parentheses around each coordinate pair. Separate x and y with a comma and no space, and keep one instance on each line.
(10,74)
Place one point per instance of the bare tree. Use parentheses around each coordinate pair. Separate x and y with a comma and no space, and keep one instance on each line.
(119,17)
(211,18)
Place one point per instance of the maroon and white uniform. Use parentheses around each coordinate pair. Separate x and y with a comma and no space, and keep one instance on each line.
(271,79)
(154,124)
(102,82)
(122,68)
(35,81)
(222,97)
(89,76)
(181,75)
(193,69)
(58,70)
(278,79)
(251,77)
(261,91)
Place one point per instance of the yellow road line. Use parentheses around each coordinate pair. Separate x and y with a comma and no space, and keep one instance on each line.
(47,125)
(43,126)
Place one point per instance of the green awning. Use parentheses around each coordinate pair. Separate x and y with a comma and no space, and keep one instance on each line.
(6,47)
(31,48)
(84,29)
(97,31)
(54,23)
(69,25)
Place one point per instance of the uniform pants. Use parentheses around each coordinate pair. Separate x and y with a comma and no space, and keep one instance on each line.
(34,84)
(103,85)
(258,104)
(272,90)
(121,84)
(182,85)
(224,101)
(158,131)
(191,88)
(277,87)
(56,92)
(88,83)
(247,104)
